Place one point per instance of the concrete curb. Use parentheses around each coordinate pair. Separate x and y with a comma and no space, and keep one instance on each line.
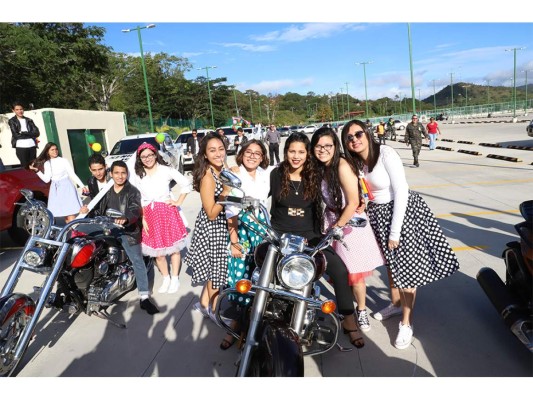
(474,153)
(490,144)
(505,158)
(444,148)
(520,147)
(464,142)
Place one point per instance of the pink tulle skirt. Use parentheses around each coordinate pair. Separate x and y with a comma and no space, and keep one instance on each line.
(166,234)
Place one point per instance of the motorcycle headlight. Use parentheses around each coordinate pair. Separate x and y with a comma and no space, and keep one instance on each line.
(296,271)
(35,256)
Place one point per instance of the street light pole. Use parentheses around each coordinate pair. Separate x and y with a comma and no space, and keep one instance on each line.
(209,92)
(235,98)
(251,108)
(525,107)
(488,98)
(466,87)
(138,29)
(347,100)
(342,102)
(364,63)
(260,111)
(434,99)
(411,67)
(514,79)
(451,88)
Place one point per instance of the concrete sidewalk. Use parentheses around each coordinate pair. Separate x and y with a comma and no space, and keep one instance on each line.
(457,331)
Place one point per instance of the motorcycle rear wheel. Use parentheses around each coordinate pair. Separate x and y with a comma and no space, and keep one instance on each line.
(278,354)
(15,313)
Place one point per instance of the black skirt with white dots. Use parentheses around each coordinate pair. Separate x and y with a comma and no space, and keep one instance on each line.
(424,254)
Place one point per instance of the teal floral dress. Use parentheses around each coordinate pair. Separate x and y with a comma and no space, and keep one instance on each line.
(242,268)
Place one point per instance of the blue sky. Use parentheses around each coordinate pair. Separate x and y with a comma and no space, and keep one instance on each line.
(259,46)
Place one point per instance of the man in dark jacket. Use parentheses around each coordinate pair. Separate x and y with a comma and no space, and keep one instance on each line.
(24,135)
(126,198)
(193,144)
(240,139)
(98,177)
(414,131)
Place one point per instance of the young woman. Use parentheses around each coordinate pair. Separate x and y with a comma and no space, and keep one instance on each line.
(164,232)
(254,172)
(295,187)
(208,253)
(342,199)
(63,199)
(410,237)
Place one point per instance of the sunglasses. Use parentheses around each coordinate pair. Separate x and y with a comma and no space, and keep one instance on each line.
(358,135)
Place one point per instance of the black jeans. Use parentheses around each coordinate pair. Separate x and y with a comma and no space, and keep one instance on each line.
(339,274)
(273,150)
(26,155)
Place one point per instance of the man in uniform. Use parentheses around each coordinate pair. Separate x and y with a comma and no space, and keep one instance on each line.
(413,136)
(391,129)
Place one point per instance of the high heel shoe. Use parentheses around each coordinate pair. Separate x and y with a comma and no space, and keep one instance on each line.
(357,341)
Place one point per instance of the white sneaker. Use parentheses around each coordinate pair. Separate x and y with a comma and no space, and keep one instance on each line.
(390,311)
(405,337)
(174,285)
(164,285)
(362,320)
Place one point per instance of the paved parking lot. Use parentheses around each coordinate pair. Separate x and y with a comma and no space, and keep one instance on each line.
(457,331)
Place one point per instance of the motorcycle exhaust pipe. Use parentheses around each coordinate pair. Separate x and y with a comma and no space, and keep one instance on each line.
(508,305)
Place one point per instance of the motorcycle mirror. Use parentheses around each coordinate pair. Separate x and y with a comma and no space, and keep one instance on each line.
(357,222)
(104,153)
(228,178)
(27,193)
(112,213)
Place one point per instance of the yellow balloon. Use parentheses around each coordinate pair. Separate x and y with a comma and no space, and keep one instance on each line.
(96,147)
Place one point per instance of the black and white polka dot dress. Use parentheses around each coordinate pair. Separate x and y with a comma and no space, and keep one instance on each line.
(424,254)
(208,253)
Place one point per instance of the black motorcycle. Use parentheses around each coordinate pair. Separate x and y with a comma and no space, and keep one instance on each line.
(91,270)
(288,318)
(513,299)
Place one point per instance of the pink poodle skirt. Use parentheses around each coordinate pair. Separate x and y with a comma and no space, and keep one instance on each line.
(166,234)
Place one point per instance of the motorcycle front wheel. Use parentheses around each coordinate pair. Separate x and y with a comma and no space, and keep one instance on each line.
(278,354)
(16,310)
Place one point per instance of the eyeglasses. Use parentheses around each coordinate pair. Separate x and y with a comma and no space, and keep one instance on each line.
(252,154)
(358,135)
(147,157)
(326,147)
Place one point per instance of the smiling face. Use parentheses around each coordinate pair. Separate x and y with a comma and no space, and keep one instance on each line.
(215,152)
(148,158)
(325,149)
(19,111)
(296,155)
(119,175)
(252,157)
(357,140)
(53,152)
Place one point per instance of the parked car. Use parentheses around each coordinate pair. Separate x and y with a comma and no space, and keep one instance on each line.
(181,142)
(11,181)
(230,133)
(529,128)
(399,125)
(125,147)
(284,131)
(309,129)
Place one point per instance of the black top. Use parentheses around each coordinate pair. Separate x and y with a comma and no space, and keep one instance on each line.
(293,213)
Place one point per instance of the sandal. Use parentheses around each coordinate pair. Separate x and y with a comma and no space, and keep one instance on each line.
(226,344)
(357,341)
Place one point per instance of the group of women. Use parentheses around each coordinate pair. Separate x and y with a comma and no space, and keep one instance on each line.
(322,182)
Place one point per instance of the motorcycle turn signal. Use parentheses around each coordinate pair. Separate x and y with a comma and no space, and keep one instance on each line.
(328,306)
(243,286)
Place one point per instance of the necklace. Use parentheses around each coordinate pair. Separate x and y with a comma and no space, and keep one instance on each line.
(296,189)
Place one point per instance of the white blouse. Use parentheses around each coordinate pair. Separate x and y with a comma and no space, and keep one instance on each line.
(59,168)
(387,182)
(155,188)
(257,188)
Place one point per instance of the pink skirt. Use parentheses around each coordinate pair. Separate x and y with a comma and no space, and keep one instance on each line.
(166,234)
(363,254)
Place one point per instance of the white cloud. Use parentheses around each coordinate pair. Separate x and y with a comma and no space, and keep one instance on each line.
(249,47)
(303,32)
(191,54)
(278,86)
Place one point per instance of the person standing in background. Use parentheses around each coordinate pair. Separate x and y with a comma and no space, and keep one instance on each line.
(193,144)
(240,139)
(24,135)
(273,138)
(433,131)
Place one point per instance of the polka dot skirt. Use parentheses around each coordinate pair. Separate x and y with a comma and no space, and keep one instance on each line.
(424,254)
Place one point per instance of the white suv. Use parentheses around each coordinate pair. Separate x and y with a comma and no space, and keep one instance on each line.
(181,143)
(125,147)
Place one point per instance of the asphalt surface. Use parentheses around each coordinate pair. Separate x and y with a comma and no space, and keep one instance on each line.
(457,331)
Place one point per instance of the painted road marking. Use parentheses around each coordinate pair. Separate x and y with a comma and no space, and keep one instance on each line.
(464,248)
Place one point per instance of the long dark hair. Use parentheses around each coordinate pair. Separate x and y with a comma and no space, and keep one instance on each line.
(242,149)
(330,173)
(43,156)
(354,159)
(201,164)
(139,167)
